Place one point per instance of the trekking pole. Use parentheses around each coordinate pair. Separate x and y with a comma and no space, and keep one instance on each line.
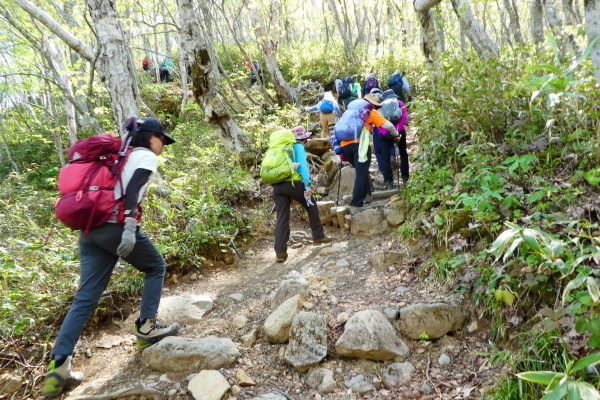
(337,201)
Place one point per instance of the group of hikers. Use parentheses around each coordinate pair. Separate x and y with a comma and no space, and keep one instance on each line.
(348,118)
(348,121)
(165,68)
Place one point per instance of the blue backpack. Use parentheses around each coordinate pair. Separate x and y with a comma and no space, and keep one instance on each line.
(395,79)
(350,125)
(326,106)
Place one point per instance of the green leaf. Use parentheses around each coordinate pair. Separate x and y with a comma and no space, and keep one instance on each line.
(594,342)
(548,67)
(508,297)
(574,284)
(587,391)
(593,290)
(541,377)
(530,237)
(585,362)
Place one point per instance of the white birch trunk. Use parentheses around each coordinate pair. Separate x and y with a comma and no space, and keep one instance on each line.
(268,42)
(592,23)
(481,42)
(537,15)
(205,79)
(429,38)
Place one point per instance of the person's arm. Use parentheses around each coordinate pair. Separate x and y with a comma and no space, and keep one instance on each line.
(132,192)
(300,158)
(315,107)
(378,120)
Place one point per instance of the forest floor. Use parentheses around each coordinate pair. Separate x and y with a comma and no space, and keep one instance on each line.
(110,360)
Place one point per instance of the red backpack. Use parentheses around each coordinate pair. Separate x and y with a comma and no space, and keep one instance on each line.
(87,183)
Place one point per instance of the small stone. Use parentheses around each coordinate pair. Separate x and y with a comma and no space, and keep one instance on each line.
(342,264)
(444,360)
(164,378)
(250,253)
(333,300)
(307,305)
(237,296)
(297,246)
(172,392)
(239,321)
(391,313)
(472,327)
(235,390)
(425,388)
(229,260)
(194,276)
(342,317)
(242,378)
(249,339)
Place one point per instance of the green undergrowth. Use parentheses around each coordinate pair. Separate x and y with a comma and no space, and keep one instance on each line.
(506,193)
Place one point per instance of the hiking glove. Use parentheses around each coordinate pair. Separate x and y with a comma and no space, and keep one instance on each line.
(390,128)
(128,238)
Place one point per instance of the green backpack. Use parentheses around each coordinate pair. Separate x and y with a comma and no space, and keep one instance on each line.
(277,165)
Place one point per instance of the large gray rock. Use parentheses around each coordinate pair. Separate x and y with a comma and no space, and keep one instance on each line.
(289,288)
(208,385)
(397,374)
(369,334)
(308,341)
(360,384)
(368,223)
(187,309)
(321,379)
(347,183)
(435,319)
(174,354)
(395,213)
(383,259)
(277,326)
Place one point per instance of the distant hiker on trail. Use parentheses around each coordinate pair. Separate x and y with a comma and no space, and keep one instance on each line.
(330,112)
(398,83)
(349,91)
(394,111)
(146,64)
(163,72)
(295,187)
(370,84)
(256,73)
(355,142)
(100,250)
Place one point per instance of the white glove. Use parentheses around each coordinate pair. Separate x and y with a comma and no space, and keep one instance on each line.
(128,238)
(390,128)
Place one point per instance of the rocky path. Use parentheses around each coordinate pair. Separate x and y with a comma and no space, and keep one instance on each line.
(341,283)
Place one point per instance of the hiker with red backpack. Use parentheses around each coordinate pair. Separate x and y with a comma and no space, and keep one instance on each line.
(355,142)
(330,112)
(110,236)
(384,143)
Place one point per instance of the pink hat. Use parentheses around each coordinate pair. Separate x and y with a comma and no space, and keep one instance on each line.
(300,133)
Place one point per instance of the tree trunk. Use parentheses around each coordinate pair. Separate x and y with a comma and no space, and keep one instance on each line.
(481,42)
(592,23)
(205,79)
(114,66)
(429,39)
(345,33)
(515,26)
(268,42)
(556,25)
(537,28)
(440,31)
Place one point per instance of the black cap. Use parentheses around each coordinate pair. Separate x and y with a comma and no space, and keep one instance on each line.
(153,125)
(389,94)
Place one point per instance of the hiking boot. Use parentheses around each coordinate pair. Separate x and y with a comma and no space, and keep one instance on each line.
(368,199)
(323,240)
(60,377)
(149,332)
(281,257)
(389,185)
(404,182)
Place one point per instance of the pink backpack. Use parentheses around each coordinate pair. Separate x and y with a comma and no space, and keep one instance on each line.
(87,183)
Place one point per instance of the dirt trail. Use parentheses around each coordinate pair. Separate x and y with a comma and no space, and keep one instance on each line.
(355,287)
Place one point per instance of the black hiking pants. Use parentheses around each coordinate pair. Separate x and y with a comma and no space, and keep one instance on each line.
(385,148)
(283,194)
(362,183)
